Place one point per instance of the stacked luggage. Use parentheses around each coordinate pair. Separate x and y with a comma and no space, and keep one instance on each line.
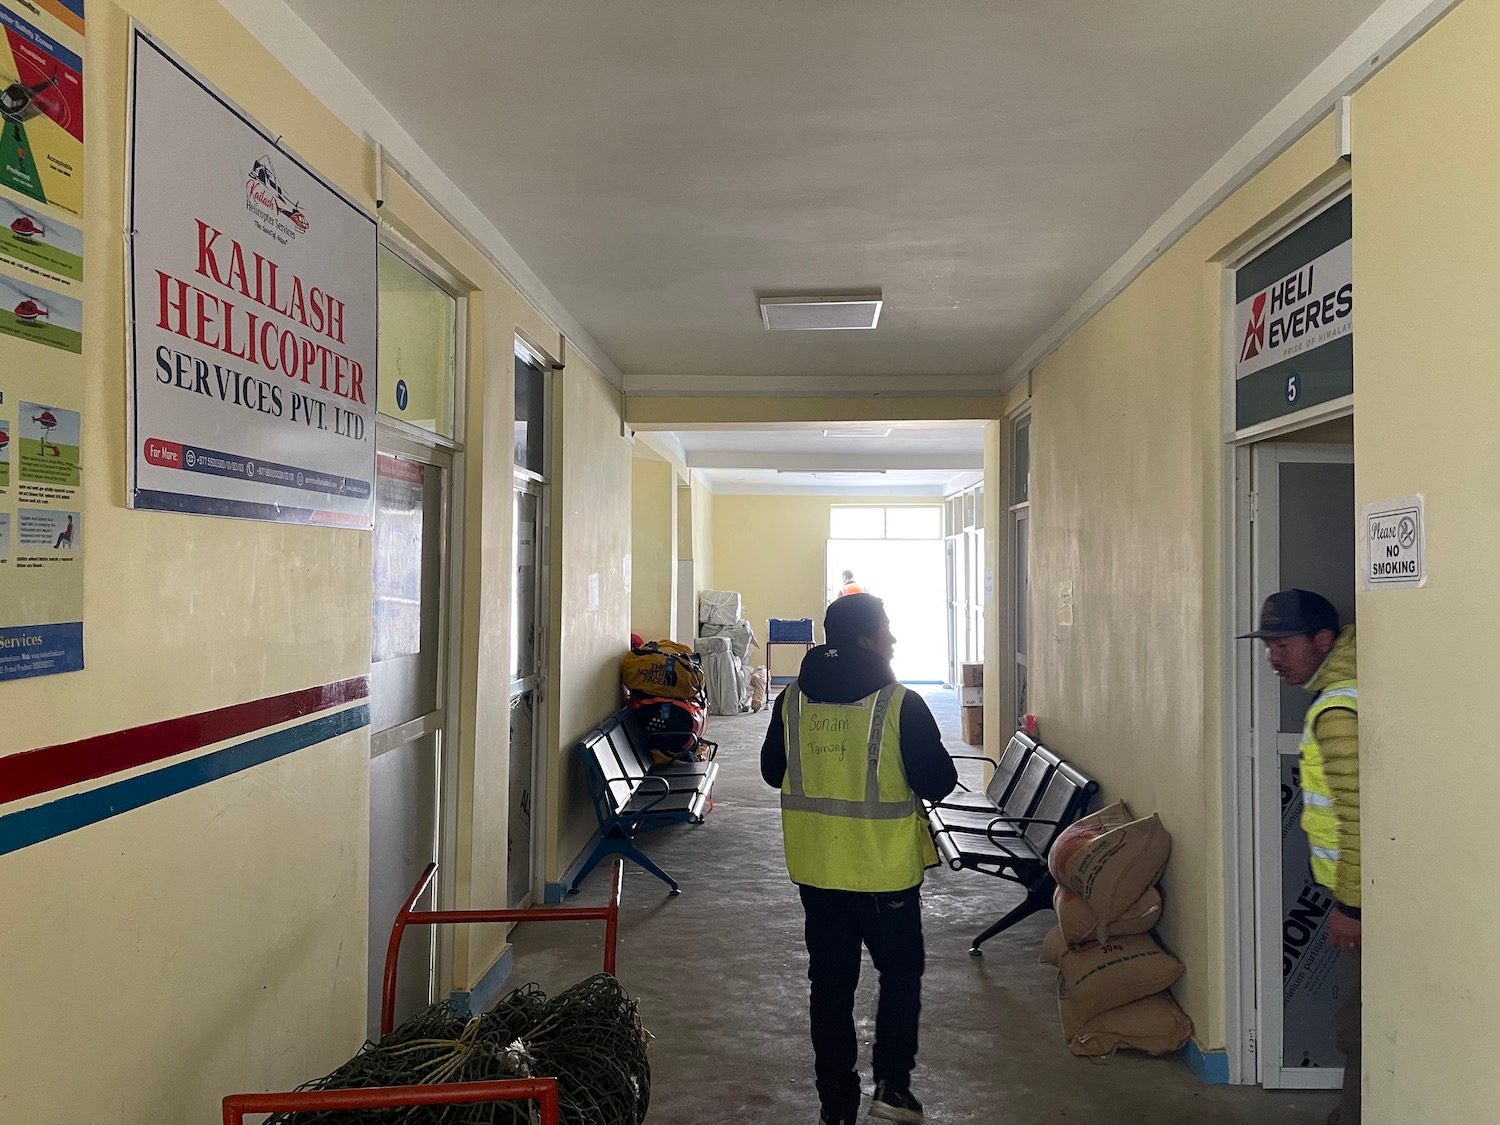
(665,688)
(724,641)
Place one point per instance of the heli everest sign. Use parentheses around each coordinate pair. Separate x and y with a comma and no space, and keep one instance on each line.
(253,318)
(1296,313)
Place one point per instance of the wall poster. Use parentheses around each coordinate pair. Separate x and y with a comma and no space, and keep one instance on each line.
(42,455)
(252,327)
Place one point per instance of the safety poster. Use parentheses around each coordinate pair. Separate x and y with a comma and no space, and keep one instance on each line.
(42,454)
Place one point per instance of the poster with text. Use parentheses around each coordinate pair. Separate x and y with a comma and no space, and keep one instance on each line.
(42,407)
(253,334)
(41,109)
(36,245)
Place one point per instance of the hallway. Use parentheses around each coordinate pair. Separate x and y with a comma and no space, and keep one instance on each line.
(720,976)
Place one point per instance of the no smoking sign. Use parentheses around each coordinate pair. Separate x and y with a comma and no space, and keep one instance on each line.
(1395,543)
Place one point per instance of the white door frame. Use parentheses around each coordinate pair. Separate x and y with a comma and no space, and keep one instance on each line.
(417,445)
(1236,615)
(1245,1023)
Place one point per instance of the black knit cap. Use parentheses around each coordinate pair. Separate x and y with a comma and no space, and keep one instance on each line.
(1289,613)
(851,617)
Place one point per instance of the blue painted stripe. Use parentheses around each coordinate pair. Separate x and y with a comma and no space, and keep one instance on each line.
(1212,1067)
(67,814)
(478,999)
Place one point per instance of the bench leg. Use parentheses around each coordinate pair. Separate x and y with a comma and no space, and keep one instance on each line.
(614,845)
(1038,897)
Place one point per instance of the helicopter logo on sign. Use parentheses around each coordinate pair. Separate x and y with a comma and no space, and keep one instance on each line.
(263,190)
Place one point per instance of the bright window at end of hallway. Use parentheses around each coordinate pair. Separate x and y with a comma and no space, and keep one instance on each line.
(419,320)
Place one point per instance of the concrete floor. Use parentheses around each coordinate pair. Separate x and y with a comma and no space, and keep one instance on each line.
(720,973)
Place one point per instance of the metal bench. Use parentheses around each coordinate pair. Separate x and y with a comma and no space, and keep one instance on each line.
(632,795)
(1007,830)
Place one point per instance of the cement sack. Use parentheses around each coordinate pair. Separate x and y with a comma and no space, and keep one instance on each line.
(1155,1025)
(758,687)
(718,607)
(1099,976)
(1109,858)
(1054,945)
(1079,923)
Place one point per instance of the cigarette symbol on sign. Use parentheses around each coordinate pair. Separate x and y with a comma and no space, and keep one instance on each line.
(1406,532)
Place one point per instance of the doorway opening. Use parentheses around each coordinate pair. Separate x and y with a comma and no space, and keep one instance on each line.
(1288,413)
(415,654)
(897,554)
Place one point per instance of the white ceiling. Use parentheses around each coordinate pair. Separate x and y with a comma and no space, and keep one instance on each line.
(982,162)
(658,164)
(914,459)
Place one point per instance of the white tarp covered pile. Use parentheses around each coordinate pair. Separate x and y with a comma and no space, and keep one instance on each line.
(724,642)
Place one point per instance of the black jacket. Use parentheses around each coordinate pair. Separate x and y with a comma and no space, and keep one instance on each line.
(845,675)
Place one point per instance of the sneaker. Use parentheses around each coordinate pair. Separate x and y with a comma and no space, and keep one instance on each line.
(895,1105)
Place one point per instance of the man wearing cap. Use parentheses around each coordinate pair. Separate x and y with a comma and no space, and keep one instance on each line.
(852,751)
(1306,647)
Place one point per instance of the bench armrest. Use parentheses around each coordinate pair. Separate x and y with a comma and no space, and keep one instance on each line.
(974,758)
(666,791)
(1012,820)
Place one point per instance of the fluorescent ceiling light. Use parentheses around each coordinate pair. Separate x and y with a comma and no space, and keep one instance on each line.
(821,314)
(834,472)
(857,433)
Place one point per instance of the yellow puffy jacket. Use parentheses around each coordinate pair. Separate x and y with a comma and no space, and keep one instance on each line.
(1337,733)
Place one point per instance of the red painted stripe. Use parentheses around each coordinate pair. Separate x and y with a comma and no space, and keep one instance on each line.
(54,767)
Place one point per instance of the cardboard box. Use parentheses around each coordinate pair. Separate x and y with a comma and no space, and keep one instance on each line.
(973,725)
(972,675)
(970,696)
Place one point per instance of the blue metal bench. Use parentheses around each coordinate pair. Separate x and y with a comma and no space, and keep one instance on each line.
(1007,830)
(632,795)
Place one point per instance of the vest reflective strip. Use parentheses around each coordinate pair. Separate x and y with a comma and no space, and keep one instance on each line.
(1330,854)
(1339,693)
(1317,800)
(872,807)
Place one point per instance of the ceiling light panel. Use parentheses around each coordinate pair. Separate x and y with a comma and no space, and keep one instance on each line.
(858,433)
(821,314)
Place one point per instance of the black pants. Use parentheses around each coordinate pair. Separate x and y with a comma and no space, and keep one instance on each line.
(890,924)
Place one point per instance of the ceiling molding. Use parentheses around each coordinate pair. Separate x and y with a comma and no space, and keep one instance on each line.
(314,64)
(933,492)
(839,462)
(810,386)
(678,412)
(1374,43)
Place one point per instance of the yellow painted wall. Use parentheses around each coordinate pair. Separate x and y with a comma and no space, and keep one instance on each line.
(1125,486)
(215,941)
(1426,226)
(591,537)
(774,551)
(653,548)
(702,536)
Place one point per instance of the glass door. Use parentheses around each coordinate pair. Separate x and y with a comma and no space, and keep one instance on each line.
(1303,536)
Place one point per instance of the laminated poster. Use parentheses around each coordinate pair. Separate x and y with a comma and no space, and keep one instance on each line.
(42,402)
(41,106)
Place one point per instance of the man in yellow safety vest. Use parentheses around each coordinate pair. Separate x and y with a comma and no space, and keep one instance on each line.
(1306,647)
(852,751)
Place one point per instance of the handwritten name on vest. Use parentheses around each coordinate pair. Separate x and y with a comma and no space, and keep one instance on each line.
(828,724)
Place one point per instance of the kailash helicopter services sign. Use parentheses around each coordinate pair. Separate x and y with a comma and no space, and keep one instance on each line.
(253,322)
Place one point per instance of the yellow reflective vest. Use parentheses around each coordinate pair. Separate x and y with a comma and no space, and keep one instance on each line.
(1318,818)
(849,820)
